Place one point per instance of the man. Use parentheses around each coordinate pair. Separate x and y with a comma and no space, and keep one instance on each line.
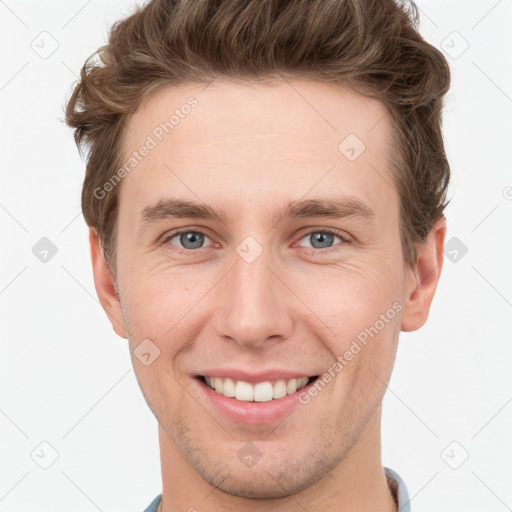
(265,189)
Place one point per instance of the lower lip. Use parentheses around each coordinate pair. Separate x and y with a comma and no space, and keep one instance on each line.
(253,413)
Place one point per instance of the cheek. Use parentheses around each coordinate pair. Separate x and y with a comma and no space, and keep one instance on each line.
(350,299)
(165,305)
(362,309)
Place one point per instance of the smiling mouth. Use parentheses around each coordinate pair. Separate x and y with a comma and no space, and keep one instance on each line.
(260,392)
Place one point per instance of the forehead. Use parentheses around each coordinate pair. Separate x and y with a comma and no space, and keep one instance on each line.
(225,110)
(259,141)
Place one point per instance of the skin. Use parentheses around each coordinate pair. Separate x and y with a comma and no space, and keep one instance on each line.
(250,149)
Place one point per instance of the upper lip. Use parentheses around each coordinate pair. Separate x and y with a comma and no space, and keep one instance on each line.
(254,377)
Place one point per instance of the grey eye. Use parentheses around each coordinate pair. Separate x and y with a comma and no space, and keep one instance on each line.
(190,239)
(321,239)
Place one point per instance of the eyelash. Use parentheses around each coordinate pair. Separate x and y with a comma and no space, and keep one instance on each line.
(344,239)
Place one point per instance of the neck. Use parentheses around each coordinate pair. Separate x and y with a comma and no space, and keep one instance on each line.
(358,482)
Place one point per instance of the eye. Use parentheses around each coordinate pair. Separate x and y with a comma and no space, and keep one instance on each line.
(322,239)
(189,240)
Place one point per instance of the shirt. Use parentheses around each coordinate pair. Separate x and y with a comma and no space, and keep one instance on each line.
(396,484)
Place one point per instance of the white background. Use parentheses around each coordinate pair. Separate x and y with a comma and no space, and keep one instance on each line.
(66,377)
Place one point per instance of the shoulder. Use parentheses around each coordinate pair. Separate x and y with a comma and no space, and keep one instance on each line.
(154,504)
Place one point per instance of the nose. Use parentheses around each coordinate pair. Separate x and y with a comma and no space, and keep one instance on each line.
(254,305)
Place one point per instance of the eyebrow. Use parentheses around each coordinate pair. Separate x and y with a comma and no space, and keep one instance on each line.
(334,208)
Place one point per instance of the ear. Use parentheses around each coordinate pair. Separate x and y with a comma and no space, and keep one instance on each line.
(421,282)
(105,285)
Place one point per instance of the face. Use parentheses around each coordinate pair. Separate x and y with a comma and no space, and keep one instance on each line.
(257,243)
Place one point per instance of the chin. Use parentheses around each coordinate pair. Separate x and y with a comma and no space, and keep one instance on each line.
(259,485)
(272,479)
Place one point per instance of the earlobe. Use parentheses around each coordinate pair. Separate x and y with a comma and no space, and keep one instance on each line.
(105,285)
(423,279)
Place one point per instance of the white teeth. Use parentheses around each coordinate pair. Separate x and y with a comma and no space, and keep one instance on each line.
(218,384)
(228,388)
(291,387)
(280,389)
(244,391)
(260,392)
(263,392)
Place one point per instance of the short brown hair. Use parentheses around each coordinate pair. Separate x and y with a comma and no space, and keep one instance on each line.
(373,46)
